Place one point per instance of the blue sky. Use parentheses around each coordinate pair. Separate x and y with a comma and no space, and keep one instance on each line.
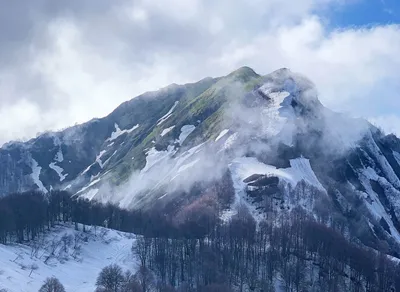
(366,12)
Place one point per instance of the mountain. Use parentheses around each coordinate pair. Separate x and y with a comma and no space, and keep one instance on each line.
(265,142)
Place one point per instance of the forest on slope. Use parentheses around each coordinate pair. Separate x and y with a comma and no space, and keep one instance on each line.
(200,252)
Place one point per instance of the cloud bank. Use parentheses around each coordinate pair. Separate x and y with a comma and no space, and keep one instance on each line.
(67,62)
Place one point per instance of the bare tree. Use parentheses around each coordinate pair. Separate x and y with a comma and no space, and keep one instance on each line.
(33,267)
(111,278)
(130,283)
(67,241)
(146,278)
(141,249)
(53,247)
(52,285)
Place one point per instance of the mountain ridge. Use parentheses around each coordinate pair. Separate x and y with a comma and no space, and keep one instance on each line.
(263,141)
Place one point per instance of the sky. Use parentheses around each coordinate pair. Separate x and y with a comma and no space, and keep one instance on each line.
(65,62)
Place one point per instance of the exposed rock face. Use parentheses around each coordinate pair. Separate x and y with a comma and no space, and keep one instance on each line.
(259,186)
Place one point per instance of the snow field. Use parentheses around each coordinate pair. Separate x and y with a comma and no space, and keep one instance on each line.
(76,264)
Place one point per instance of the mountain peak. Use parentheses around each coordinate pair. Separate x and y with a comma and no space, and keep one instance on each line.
(282,70)
(244,73)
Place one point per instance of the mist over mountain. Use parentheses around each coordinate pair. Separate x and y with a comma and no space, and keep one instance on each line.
(263,141)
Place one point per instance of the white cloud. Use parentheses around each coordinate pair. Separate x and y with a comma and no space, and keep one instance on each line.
(349,67)
(390,123)
(83,66)
(22,112)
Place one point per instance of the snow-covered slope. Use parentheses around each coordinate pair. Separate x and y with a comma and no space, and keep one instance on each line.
(78,258)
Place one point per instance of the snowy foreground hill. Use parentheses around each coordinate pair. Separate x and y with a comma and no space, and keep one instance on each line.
(74,257)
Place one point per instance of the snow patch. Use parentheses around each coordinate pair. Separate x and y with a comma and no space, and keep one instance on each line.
(243,167)
(163,196)
(154,157)
(89,185)
(247,166)
(161,168)
(36,169)
(98,158)
(91,194)
(301,170)
(277,119)
(222,134)
(59,170)
(166,131)
(185,132)
(278,113)
(188,165)
(87,168)
(118,132)
(374,205)
(59,156)
(168,114)
(109,158)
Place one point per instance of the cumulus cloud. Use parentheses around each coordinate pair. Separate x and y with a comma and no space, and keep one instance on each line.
(67,62)
(350,67)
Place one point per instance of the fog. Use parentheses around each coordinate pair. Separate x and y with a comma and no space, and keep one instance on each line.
(285,106)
